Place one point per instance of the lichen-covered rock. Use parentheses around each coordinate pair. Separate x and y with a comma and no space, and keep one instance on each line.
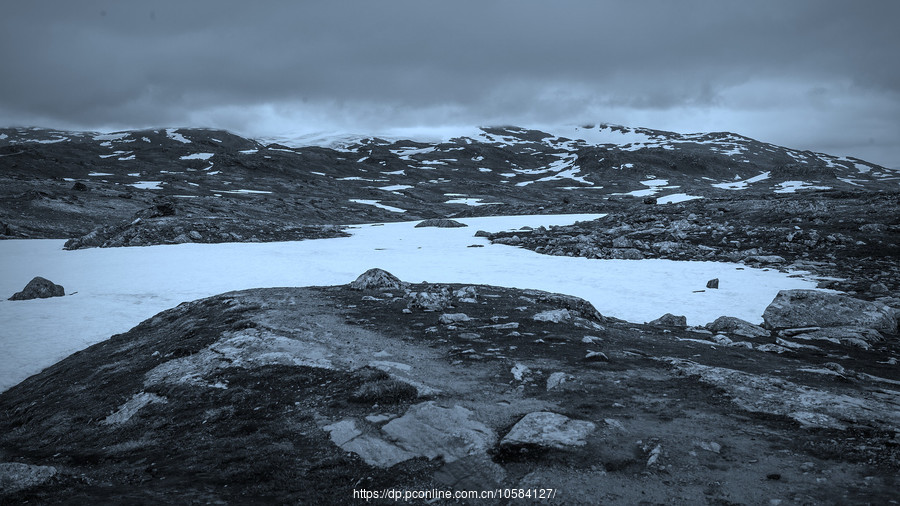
(377,279)
(812,308)
(39,288)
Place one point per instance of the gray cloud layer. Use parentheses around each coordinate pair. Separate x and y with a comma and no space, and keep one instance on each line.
(811,74)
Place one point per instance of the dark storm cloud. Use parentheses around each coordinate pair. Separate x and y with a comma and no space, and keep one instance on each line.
(800,71)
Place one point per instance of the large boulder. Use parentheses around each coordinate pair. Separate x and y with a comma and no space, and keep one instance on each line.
(39,288)
(16,476)
(377,279)
(736,326)
(812,308)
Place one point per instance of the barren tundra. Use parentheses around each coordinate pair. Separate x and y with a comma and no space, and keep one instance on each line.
(282,392)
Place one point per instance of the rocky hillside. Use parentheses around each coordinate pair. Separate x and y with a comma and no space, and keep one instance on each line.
(309,395)
(66,184)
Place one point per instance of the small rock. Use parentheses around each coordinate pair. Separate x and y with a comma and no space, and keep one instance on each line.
(556,379)
(596,356)
(736,326)
(79,186)
(553,316)
(711,446)
(713,283)
(195,236)
(451,318)
(39,288)
(441,223)
(669,320)
(375,279)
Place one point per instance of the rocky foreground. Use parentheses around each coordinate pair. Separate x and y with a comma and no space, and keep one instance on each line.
(305,395)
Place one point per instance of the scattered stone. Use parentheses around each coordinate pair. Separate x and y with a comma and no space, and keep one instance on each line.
(722,339)
(519,371)
(452,318)
(39,288)
(195,236)
(441,223)
(710,446)
(596,356)
(16,476)
(553,316)
(482,233)
(556,379)
(377,279)
(807,308)
(430,301)
(669,320)
(736,326)
(713,283)
(545,430)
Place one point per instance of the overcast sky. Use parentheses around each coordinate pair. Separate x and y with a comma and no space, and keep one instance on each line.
(820,75)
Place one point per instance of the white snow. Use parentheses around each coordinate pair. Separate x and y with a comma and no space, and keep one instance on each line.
(111,136)
(174,135)
(99,174)
(125,159)
(378,204)
(248,151)
(793,186)
(197,156)
(395,188)
(242,191)
(741,184)
(471,202)
(148,185)
(119,287)
(676,198)
(3,136)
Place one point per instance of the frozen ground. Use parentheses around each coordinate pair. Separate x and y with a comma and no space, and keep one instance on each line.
(111,290)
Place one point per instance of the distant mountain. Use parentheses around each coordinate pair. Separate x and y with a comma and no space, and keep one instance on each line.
(60,184)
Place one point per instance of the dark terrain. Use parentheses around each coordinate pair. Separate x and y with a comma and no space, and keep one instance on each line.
(241,396)
(303,395)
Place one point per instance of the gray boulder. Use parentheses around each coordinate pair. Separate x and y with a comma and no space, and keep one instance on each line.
(441,223)
(736,326)
(543,429)
(812,308)
(39,288)
(713,283)
(669,320)
(377,279)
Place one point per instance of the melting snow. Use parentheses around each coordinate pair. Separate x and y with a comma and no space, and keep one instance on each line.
(793,186)
(248,151)
(378,204)
(148,185)
(119,287)
(97,174)
(395,188)
(111,137)
(198,156)
(676,198)
(174,135)
(741,185)
(471,202)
